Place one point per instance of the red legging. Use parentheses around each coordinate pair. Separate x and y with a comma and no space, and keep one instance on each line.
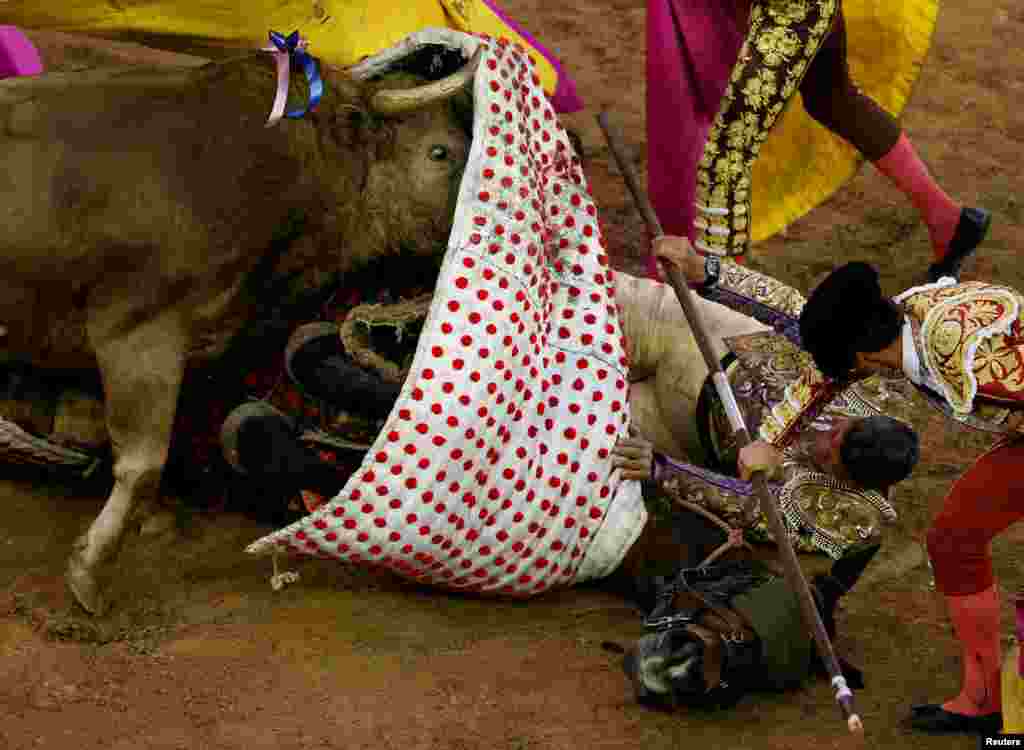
(982,503)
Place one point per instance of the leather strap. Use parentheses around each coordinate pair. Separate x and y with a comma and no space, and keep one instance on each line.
(725,621)
(716,626)
(712,654)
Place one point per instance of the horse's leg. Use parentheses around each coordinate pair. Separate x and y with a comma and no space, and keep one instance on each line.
(665,353)
(142,370)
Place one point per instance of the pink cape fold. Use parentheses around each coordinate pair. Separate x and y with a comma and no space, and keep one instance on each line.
(692,46)
(18,57)
(1020,633)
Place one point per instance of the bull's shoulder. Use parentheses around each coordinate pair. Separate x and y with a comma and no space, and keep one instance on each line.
(31,107)
(13,90)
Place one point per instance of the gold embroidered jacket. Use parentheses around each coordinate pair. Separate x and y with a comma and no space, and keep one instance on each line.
(969,340)
(784,400)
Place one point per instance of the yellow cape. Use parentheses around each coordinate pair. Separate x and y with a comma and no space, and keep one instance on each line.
(802,164)
(340,32)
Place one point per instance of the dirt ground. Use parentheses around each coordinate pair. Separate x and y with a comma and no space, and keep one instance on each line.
(201,653)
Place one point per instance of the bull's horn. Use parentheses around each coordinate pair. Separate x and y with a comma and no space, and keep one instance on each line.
(396,101)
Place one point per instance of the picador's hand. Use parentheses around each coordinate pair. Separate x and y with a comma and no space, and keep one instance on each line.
(680,253)
(759,456)
(634,455)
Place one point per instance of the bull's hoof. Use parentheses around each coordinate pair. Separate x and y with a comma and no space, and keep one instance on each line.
(85,586)
(157,524)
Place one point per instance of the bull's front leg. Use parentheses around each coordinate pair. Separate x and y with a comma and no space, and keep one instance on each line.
(142,371)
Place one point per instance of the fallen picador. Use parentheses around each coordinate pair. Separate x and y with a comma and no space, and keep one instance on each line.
(719,632)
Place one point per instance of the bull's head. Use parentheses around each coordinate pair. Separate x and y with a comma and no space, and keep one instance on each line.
(409,187)
(389,103)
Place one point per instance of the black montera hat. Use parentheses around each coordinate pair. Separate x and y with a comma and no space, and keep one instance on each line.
(847,313)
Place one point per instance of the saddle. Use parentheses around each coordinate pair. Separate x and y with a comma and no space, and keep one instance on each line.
(698,602)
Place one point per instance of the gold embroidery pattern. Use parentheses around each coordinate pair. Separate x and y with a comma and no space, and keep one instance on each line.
(784,380)
(783,38)
(834,514)
(761,288)
(822,513)
(970,338)
(771,385)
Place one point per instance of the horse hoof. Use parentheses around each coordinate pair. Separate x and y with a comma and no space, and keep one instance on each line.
(85,587)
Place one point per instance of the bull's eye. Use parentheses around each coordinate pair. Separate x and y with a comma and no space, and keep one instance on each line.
(438,153)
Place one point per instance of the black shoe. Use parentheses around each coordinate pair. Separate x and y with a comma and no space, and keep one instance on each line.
(935,719)
(970,231)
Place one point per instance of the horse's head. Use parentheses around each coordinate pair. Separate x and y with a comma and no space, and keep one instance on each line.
(708,656)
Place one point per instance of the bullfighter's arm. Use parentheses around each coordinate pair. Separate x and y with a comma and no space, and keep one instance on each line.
(637,459)
(757,295)
(721,495)
(666,469)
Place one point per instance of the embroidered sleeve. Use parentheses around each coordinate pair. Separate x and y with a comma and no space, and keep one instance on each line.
(720,495)
(665,469)
(763,298)
(802,404)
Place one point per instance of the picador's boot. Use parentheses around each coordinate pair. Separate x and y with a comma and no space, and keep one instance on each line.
(955,231)
(308,346)
(262,443)
(977,708)
(829,589)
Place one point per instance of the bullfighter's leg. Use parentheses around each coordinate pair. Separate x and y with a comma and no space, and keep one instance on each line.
(982,504)
(667,369)
(832,98)
(142,371)
(781,41)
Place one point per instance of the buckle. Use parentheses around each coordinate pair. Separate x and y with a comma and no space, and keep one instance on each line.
(667,622)
(734,637)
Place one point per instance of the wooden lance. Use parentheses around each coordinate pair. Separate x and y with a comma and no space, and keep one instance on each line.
(791,567)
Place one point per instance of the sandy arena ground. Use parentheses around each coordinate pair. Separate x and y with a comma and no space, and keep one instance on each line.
(200,653)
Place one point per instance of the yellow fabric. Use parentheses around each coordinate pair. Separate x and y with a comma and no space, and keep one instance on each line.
(802,164)
(1013,693)
(340,32)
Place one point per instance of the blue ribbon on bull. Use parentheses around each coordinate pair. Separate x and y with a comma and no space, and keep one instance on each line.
(287,49)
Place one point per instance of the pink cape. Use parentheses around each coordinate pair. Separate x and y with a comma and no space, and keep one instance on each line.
(1020,633)
(17,55)
(691,50)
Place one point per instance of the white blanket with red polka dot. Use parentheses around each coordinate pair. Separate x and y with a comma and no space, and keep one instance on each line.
(492,472)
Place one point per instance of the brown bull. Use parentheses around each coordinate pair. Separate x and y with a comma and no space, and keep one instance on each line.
(136,203)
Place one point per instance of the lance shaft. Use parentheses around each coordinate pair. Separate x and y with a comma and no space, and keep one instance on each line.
(791,566)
